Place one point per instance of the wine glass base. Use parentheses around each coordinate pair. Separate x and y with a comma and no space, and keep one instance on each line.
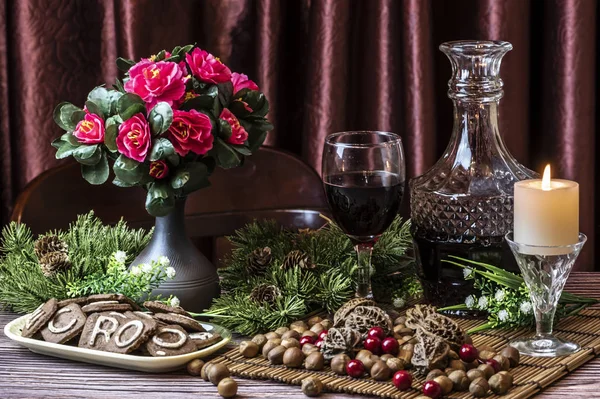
(544,347)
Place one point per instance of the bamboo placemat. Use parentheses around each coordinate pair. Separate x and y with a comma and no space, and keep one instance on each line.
(531,376)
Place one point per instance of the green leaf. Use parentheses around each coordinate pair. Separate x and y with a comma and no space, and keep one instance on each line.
(191,177)
(110,137)
(120,183)
(98,173)
(160,118)
(113,101)
(67,116)
(133,110)
(65,150)
(204,101)
(226,156)
(241,149)
(124,64)
(119,85)
(130,171)
(255,140)
(94,108)
(88,154)
(103,98)
(225,93)
(161,55)
(69,138)
(160,199)
(186,49)
(161,149)
(224,129)
(127,100)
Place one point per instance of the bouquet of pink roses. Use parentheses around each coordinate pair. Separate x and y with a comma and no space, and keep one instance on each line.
(174,118)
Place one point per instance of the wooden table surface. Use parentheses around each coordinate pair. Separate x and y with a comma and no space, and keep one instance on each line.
(24,374)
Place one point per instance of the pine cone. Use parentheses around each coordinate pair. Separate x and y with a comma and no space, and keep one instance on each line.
(53,262)
(48,244)
(259,260)
(264,293)
(297,258)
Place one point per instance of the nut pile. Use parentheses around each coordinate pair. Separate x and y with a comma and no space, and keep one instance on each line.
(218,374)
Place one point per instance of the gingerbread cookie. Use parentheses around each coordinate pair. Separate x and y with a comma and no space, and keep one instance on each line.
(66,324)
(204,339)
(99,329)
(184,321)
(106,306)
(159,307)
(82,300)
(170,341)
(116,332)
(39,318)
(102,297)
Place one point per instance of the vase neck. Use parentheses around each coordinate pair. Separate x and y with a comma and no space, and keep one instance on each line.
(174,222)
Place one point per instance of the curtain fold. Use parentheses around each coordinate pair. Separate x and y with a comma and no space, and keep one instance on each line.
(325,65)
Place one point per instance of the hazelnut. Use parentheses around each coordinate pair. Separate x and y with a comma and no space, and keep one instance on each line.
(298,324)
(500,384)
(227,388)
(400,330)
(400,320)
(459,380)
(434,373)
(248,349)
(457,365)
(291,334)
(339,362)
(293,357)
(260,340)
(309,348)
(312,386)
(369,362)
(487,370)
(314,320)
(472,365)
(512,355)
(448,370)
(327,324)
(487,355)
(453,355)
(479,387)
(195,367)
(204,371)
(217,372)
(468,339)
(300,329)
(314,361)
(317,328)
(282,330)
(272,335)
(380,371)
(385,357)
(363,355)
(445,383)
(268,347)
(503,361)
(508,375)
(275,355)
(474,374)
(290,343)
(395,364)
(310,333)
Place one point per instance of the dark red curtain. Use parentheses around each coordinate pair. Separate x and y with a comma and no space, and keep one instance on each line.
(326,65)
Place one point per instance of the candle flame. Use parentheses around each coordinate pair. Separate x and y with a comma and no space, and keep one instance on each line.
(546,182)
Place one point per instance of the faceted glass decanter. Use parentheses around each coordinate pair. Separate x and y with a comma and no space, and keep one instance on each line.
(463,206)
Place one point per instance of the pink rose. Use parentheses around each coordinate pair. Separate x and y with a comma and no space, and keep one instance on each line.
(134,138)
(207,67)
(241,81)
(90,130)
(159,169)
(238,134)
(156,81)
(190,131)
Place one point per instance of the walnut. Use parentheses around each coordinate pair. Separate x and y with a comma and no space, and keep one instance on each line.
(363,318)
(342,313)
(339,340)
(426,317)
(430,352)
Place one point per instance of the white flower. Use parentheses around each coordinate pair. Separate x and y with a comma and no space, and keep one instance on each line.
(467,272)
(146,268)
(174,302)
(136,271)
(164,261)
(503,315)
(120,256)
(470,301)
(500,295)
(399,302)
(525,307)
(482,303)
(170,272)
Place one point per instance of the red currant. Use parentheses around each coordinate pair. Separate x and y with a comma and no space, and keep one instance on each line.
(319,343)
(432,389)
(390,345)
(323,334)
(495,364)
(468,353)
(373,344)
(402,380)
(376,332)
(306,340)
(355,368)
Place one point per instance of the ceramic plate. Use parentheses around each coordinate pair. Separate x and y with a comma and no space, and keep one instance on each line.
(131,362)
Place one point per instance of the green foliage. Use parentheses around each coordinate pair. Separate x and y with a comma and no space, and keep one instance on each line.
(304,291)
(90,244)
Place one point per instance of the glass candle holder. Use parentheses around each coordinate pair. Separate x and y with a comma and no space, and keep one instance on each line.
(545,270)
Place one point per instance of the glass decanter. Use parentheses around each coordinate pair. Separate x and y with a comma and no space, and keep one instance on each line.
(463,206)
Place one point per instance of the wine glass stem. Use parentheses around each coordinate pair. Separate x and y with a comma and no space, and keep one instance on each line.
(543,322)
(363,286)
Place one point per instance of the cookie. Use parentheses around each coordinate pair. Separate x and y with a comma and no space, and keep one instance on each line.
(99,329)
(102,297)
(65,325)
(106,306)
(116,332)
(39,318)
(170,341)
(82,300)
(186,322)
(125,299)
(204,339)
(159,307)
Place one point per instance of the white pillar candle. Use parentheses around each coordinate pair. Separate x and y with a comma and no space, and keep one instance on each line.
(546,211)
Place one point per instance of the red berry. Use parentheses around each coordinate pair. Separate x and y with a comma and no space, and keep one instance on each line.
(373,344)
(402,380)
(390,345)
(319,343)
(323,334)
(494,363)
(432,389)
(376,332)
(306,340)
(468,353)
(355,368)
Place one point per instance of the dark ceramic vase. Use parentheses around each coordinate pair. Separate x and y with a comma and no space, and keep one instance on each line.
(196,282)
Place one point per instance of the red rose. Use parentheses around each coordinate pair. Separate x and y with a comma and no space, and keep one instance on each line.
(238,133)
(134,138)
(207,67)
(190,131)
(159,169)
(90,130)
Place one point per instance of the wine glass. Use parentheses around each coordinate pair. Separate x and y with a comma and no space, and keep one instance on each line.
(363,176)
